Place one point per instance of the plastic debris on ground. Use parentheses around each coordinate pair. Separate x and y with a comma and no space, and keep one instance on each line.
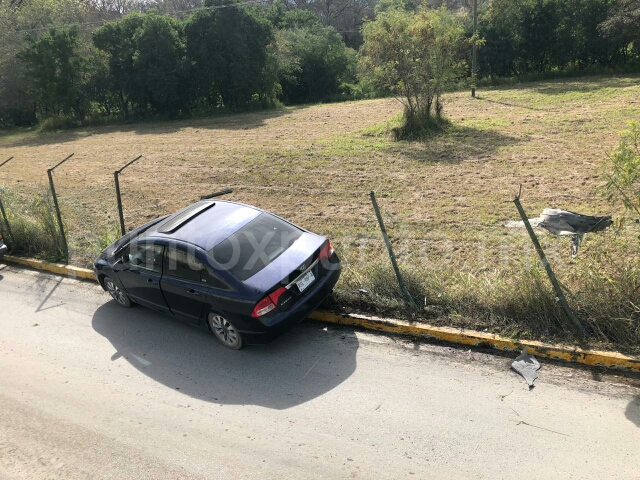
(527,366)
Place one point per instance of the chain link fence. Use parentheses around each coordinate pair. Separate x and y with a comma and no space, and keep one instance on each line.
(492,282)
(32,228)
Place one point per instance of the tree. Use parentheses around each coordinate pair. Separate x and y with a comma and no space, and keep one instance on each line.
(316,58)
(17,105)
(146,62)
(346,16)
(415,56)
(57,73)
(117,40)
(623,24)
(158,63)
(524,37)
(227,49)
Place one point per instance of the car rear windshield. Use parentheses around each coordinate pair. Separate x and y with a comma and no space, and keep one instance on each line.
(254,246)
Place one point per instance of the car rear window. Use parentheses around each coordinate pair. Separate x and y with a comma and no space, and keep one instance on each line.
(255,245)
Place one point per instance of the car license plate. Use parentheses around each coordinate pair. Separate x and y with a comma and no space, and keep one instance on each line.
(305,281)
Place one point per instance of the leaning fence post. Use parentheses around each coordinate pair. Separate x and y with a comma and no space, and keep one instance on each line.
(120,215)
(547,266)
(394,263)
(6,222)
(118,197)
(63,237)
(216,194)
(4,214)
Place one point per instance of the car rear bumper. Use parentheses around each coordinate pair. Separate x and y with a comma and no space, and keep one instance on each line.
(285,321)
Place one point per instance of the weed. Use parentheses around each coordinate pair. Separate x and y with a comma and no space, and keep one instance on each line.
(34,229)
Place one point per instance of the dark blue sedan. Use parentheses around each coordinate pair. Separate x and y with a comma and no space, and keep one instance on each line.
(243,273)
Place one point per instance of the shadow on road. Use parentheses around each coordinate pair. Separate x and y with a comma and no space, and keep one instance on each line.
(300,366)
(633,411)
(41,307)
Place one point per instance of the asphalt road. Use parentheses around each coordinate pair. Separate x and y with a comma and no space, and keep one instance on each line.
(91,390)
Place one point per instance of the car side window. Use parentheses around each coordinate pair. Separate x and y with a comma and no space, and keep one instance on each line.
(181,264)
(145,256)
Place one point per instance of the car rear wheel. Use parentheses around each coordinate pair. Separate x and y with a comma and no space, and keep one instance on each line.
(117,294)
(225,332)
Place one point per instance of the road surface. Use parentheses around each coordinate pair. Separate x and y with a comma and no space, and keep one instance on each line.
(91,390)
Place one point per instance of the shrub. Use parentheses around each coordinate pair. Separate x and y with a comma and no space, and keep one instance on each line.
(34,229)
(314,63)
(415,56)
(622,172)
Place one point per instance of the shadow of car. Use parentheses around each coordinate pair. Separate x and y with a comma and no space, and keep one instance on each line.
(294,369)
(633,411)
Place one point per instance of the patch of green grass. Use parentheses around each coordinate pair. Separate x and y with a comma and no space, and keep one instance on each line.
(33,230)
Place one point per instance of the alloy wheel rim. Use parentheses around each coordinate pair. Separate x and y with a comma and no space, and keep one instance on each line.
(224,330)
(115,292)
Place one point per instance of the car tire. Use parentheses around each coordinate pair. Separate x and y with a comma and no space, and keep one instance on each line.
(118,295)
(225,332)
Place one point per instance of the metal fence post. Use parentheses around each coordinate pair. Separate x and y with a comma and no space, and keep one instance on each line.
(63,237)
(216,194)
(118,197)
(6,222)
(120,214)
(4,214)
(394,263)
(547,266)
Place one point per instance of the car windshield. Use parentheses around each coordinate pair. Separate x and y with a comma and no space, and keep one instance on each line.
(254,246)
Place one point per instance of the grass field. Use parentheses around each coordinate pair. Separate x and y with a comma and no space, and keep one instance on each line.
(444,200)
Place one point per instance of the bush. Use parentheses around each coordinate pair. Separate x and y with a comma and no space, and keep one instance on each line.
(523,38)
(34,230)
(419,126)
(415,56)
(227,50)
(622,172)
(316,63)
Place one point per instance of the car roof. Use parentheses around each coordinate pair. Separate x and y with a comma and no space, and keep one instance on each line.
(205,223)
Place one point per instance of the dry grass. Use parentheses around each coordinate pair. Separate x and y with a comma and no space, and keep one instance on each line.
(445,200)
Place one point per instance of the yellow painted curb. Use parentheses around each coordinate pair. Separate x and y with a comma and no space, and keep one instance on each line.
(402,327)
(57,268)
(480,339)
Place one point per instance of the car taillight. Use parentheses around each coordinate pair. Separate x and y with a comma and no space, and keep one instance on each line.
(326,252)
(268,303)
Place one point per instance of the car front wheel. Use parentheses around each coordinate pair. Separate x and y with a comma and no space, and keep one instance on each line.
(225,331)
(117,294)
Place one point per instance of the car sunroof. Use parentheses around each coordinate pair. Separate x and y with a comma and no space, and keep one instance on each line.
(179,220)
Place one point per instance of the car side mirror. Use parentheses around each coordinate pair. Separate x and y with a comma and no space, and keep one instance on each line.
(121,261)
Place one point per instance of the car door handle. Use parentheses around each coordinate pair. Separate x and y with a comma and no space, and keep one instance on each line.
(193,292)
(152,281)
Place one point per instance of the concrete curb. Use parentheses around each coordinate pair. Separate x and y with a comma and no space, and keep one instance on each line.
(486,340)
(413,329)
